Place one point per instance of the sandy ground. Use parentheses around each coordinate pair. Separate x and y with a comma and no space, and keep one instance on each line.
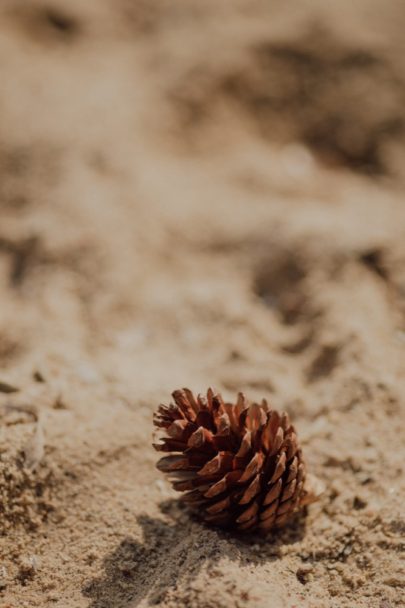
(195,194)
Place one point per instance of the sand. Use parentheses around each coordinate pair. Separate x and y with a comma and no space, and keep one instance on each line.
(199,194)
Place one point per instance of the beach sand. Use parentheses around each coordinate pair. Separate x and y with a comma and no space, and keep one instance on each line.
(199,194)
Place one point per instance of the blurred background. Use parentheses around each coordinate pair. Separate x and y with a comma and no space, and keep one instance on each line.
(196,193)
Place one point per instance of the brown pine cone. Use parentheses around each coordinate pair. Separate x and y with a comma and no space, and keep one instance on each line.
(239,465)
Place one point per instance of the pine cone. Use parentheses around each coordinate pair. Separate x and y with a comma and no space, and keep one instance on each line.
(240,465)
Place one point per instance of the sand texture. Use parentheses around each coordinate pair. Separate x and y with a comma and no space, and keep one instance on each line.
(199,194)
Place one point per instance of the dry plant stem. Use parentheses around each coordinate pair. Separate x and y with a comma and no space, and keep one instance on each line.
(239,465)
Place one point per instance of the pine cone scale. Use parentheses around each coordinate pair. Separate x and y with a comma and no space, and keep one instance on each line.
(225,483)
(175,463)
(221,505)
(199,438)
(273,493)
(279,469)
(239,464)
